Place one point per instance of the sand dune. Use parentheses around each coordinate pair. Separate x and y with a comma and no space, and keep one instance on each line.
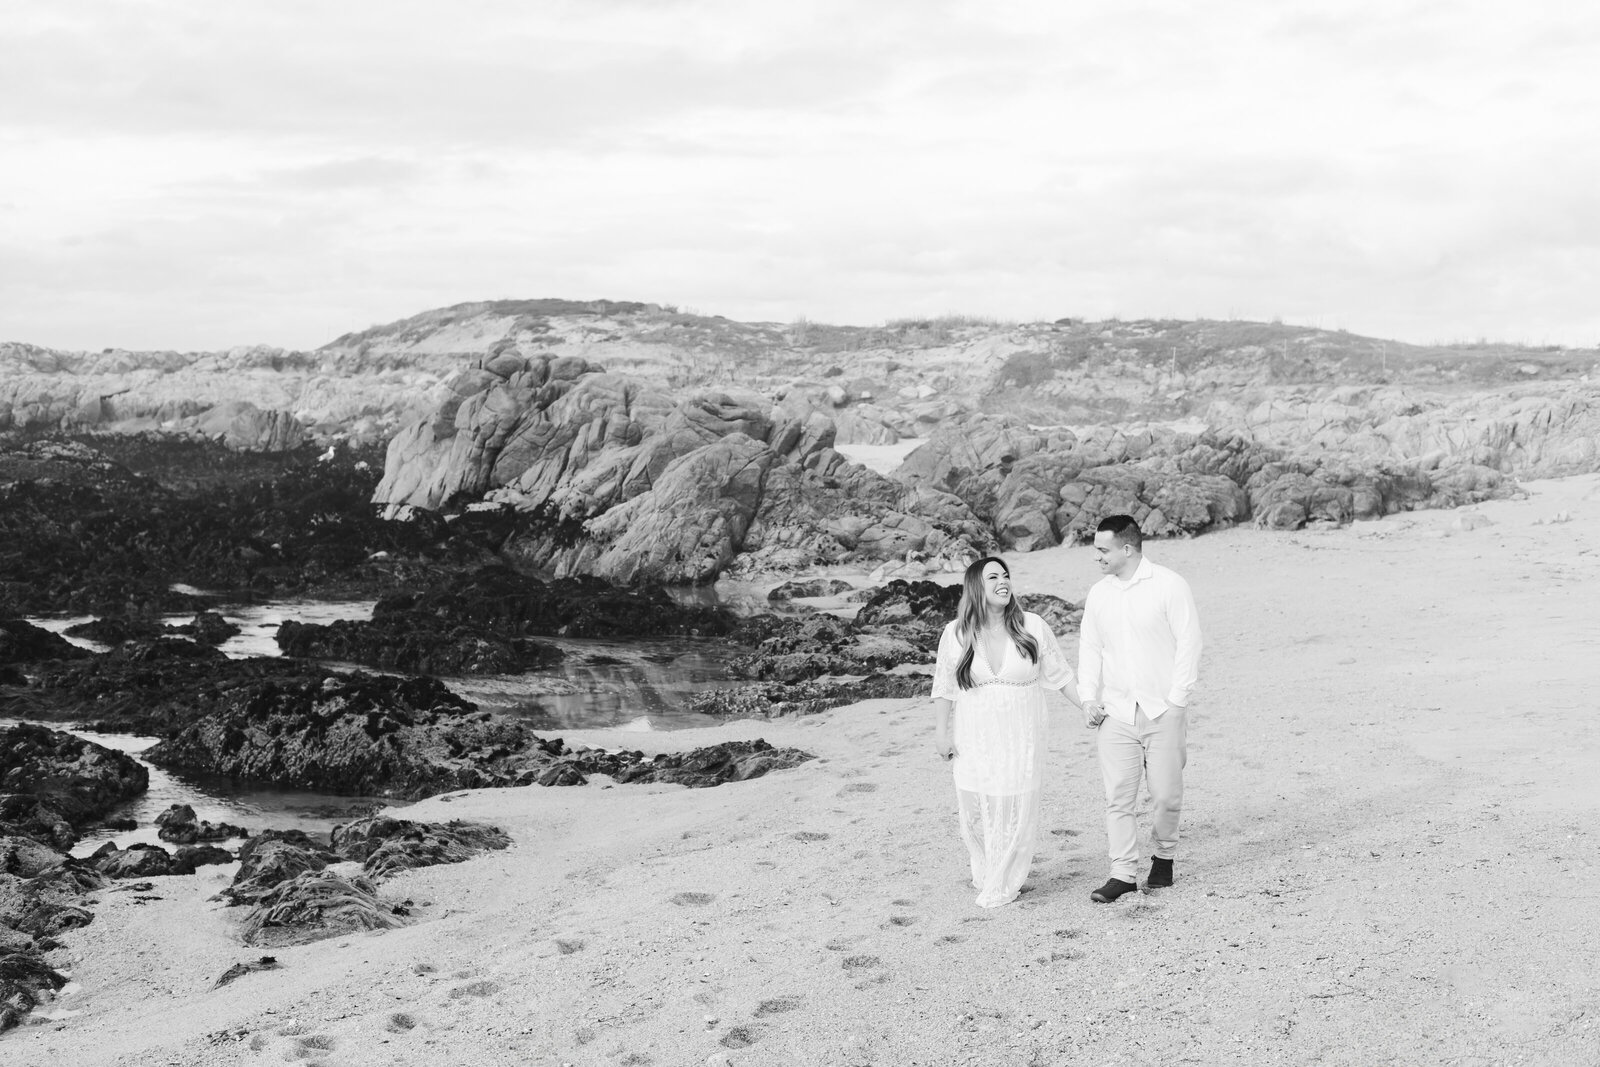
(1389,857)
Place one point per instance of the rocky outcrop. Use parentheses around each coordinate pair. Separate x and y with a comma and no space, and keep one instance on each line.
(384,845)
(110,530)
(180,825)
(409,738)
(773,700)
(52,786)
(645,487)
(417,644)
(1043,488)
(504,601)
(142,689)
(149,861)
(316,905)
(79,779)
(23,642)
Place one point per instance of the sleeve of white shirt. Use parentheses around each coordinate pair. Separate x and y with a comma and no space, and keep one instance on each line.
(1054,670)
(1185,623)
(945,684)
(1089,648)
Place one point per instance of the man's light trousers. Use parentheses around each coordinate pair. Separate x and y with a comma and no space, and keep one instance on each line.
(1156,749)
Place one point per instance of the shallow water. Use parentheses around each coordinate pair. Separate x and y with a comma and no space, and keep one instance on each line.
(630,685)
(216,800)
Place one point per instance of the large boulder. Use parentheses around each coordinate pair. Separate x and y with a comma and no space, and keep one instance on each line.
(76,777)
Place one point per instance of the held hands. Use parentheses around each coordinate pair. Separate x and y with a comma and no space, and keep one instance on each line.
(1094,713)
(943,747)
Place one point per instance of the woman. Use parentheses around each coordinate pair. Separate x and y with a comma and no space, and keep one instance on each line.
(995,661)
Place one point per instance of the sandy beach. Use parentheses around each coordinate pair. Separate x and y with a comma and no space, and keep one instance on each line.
(1389,857)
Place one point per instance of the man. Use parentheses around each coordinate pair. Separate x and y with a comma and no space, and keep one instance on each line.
(1138,658)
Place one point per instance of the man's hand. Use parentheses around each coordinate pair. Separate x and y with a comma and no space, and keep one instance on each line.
(943,747)
(1094,713)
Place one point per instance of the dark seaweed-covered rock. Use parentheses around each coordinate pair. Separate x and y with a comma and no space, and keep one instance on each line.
(317,904)
(106,525)
(189,858)
(772,700)
(207,628)
(809,587)
(54,900)
(117,629)
(23,642)
(384,845)
(138,860)
(899,624)
(26,981)
(507,602)
(179,825)
(28,815)
(730,761)
(418,643)
(398,737)
(353,735)
(26,857)
(916,611)
(77,778)
(824,644)
(271,858)
(139,690)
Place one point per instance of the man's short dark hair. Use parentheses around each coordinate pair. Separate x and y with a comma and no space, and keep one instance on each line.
(1125,528)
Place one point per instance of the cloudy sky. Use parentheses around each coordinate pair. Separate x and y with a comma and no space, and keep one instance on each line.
(192,175)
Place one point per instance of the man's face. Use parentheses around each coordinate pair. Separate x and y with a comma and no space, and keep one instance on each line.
(1113,557)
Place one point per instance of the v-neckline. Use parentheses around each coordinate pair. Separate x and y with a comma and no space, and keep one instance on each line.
(983,651)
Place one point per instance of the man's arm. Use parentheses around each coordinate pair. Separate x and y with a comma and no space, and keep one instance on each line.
(1185,623)
(1090,647)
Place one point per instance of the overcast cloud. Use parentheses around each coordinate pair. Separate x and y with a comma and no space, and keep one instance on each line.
(197,175)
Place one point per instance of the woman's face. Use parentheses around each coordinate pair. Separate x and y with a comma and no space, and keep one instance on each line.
(996,586)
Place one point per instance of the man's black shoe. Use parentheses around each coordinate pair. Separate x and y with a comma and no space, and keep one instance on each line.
(1113,889)
(1160,873)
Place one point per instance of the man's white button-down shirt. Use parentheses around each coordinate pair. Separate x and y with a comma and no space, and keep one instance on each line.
(1140,643)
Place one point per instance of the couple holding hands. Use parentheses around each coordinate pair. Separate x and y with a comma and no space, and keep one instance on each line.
(1138,658)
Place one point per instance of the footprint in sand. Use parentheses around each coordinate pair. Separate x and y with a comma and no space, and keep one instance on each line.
(693,899)
(1065,833)
(777,1006)
(482,988)
(317,1043)
(1140,909)
(902,920)
(1069,932)
(400,1022)
(740,1037)
(952,939)
(903,903)
(842,944)
(809,835)
(860,963)
(859,787)
(567,946)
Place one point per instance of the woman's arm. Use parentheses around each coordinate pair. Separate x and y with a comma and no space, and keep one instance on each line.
(942,744)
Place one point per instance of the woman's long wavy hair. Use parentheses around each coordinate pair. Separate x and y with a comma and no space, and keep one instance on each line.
(969,619)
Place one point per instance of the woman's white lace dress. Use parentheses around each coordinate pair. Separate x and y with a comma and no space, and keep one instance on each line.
(999,735)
